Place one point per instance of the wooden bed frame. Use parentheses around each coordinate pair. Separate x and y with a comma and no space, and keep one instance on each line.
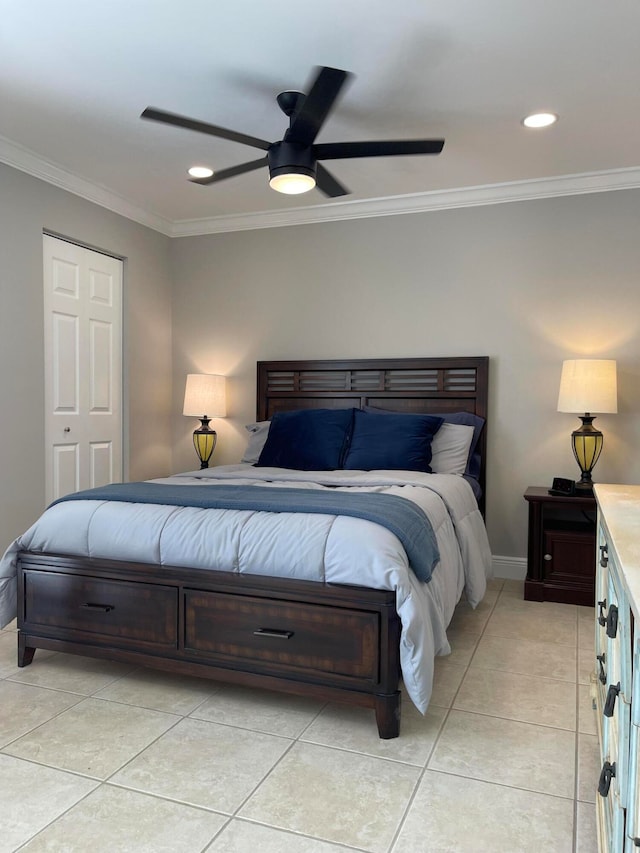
(332,642)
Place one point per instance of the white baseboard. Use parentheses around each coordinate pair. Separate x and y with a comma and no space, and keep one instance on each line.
(514,568)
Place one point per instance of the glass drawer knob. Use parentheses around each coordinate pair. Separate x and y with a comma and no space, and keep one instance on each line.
(548,557)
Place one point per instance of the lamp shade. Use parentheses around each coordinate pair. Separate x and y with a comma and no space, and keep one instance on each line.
(588,385)
(205,396)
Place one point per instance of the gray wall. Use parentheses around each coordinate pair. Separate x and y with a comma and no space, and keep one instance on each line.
(27,207)
(528,284)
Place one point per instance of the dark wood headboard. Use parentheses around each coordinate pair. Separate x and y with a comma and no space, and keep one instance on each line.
(413,385)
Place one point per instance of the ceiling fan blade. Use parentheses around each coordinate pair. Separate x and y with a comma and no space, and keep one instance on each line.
(327,184)
(164,117)
(316,106)
(231,172)
(384,148)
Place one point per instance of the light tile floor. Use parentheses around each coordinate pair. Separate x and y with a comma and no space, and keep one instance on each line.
(98,757)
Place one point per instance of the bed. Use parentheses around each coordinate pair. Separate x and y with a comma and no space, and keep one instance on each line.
(313,603)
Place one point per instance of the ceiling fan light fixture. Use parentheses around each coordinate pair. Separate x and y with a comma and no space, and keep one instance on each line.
(292,168)
(292,183)
(540,120)
(200,172)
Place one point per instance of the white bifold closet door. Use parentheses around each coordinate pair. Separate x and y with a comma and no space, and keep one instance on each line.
(83,367)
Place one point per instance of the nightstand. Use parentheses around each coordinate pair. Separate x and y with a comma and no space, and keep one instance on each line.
(561,548)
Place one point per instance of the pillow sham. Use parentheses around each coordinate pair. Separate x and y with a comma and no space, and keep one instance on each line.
(307,439)
(450,449)
(474,460)
(257,436)
(468,419)
(391,442)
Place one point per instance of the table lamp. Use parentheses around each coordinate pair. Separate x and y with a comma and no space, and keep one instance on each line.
(587,385)
(204,398)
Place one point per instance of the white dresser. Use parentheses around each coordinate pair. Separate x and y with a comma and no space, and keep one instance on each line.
(617,677)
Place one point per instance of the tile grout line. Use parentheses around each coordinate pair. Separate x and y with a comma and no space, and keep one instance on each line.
(237,816)
(451,708)
(425,768)
(298,739)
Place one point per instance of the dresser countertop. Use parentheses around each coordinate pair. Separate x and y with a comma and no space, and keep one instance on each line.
(620,506)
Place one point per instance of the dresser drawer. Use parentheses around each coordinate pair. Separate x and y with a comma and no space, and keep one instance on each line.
(602,592)
(633,799)
(617,708)
(125,613)
(282,635)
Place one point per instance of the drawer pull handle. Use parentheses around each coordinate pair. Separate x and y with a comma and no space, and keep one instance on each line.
(607,774)
(602,676)
(602,619)
(276,633)
(604,558)
(102,608)
(610,702)
(612,622)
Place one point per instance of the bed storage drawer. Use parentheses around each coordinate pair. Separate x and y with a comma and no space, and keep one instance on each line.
(330,642)
(127,613)
(289,635)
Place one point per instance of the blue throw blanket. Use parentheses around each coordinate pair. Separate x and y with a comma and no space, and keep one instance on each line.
(401,516)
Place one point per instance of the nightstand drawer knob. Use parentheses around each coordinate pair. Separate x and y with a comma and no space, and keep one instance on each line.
(610,702)
(607,774)
(547,557)
(604,557)
(612,622)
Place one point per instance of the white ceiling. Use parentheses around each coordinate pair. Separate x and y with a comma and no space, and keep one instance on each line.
(75,76)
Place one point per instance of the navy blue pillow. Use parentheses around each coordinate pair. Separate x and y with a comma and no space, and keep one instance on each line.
(467,419)
(307,439)
(391,442)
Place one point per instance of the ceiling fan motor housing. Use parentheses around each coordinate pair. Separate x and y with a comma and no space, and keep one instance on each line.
(286,157)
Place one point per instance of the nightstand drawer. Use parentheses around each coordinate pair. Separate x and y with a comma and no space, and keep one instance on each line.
(290,636)
(124,612)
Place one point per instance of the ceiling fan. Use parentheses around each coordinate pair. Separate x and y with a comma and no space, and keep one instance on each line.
(293,162)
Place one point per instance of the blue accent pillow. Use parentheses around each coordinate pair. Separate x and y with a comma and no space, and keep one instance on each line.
(307,439)
(391,442)
(465,418)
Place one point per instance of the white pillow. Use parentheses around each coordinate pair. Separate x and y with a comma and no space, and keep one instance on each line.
(258,433)
(450,449)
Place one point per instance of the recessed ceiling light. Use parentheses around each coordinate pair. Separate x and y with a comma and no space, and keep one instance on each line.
(200,172)
(540,120)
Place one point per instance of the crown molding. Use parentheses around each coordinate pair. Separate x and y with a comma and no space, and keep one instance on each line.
(26,161)
(565,185)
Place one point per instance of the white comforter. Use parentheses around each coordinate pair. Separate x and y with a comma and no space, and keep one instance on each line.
(336,549)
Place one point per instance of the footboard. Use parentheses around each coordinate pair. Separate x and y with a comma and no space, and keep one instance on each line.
(337,643)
